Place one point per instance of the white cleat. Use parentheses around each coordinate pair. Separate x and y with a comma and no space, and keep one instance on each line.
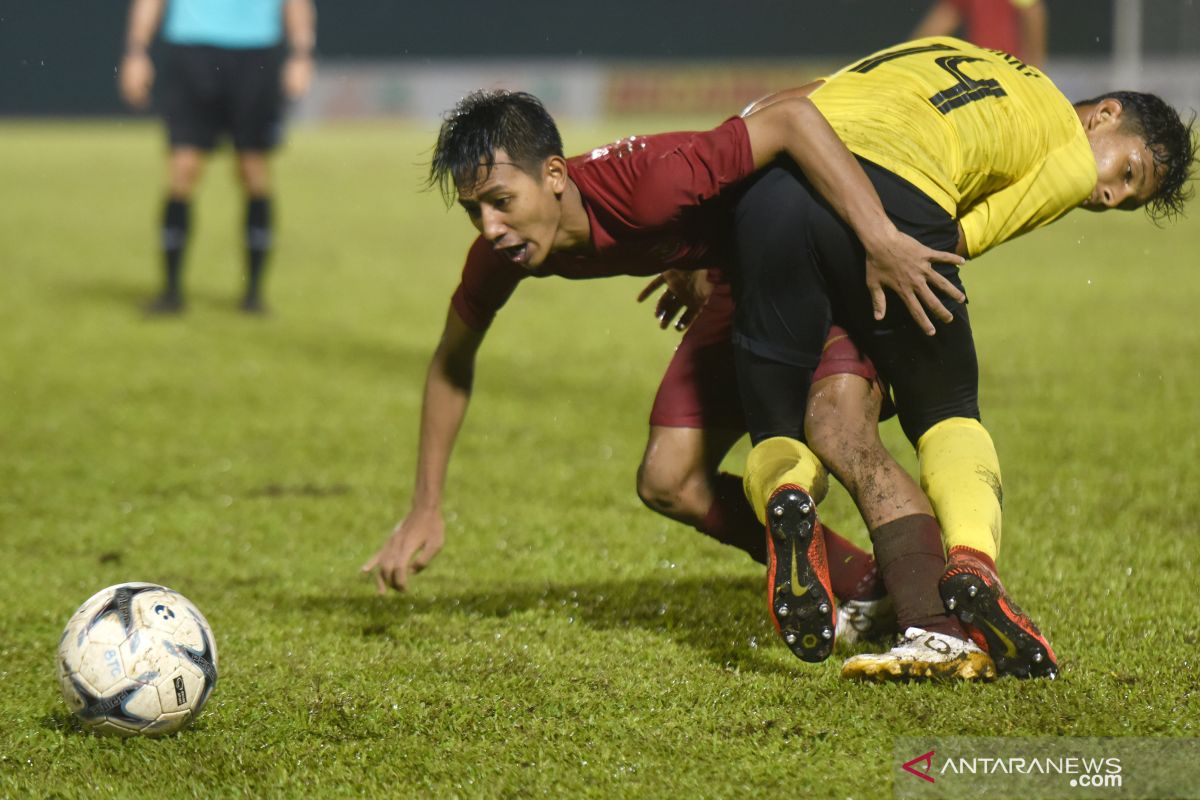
(864,621)
(922,655)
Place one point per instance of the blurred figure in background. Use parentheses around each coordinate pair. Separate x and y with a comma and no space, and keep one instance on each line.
(1017,27)
(224,74)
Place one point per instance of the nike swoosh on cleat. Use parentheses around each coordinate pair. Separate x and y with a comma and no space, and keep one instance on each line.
(799,588)
(1010,649)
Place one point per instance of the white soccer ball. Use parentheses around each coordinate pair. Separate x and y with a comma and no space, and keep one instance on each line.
(137,658)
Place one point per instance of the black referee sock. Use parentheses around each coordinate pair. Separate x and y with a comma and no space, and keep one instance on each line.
(176,221)
(258,244)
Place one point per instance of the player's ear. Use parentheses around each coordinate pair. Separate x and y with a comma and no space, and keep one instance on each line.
(554,172)
(1107,112)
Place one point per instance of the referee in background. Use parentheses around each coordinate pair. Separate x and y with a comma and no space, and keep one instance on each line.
(225,72)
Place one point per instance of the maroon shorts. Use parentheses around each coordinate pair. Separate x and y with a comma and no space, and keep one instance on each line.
(699,389)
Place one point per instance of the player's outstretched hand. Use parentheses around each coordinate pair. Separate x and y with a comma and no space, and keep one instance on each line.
(135,78)
(905,266)
(684,295)
(413,544)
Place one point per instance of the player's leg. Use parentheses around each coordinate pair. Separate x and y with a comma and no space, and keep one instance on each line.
(192,126)
(842,426)
(781,320)
(679,477)
(696,419)
(960,472)
(842,429)
(256,114)
(254,171)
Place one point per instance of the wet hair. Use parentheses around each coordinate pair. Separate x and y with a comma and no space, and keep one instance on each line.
(1170,140)
(482,123)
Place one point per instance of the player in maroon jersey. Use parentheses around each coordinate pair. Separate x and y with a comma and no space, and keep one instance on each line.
(638,207)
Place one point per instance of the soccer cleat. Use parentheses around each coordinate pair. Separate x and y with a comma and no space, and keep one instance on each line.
(253,304)
(973,593)
(922,655)
(865,621)
(798,589)
(165,304)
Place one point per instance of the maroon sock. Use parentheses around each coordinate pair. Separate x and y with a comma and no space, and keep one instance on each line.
(853,572)
(731,521)
(910,557)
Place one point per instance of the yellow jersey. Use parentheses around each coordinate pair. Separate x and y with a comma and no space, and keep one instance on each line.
(988,138)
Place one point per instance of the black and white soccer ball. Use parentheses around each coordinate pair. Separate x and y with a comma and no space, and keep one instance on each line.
(137,658)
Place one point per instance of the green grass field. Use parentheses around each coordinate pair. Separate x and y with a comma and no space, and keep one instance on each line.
(567,642)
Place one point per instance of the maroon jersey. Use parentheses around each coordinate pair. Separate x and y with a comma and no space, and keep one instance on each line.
(652,205)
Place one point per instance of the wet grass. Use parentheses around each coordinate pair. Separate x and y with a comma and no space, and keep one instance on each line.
(567,642)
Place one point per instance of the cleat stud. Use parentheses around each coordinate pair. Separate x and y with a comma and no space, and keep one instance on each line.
(823,608)
(972,590)
(777,511)
(951,603)
(804,509)
(827,632)
(782,611)
(1037,658)
(790,638)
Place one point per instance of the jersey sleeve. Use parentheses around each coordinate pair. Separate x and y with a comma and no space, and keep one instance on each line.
(1041,196)
(698,168)
(487,283)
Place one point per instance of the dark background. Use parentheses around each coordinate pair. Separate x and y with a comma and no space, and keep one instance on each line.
(59,56)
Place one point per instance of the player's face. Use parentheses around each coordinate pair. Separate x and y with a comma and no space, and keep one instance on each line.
(1125,172)
(517,212)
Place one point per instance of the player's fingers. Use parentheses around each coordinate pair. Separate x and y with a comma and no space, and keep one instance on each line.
(423,558)
(650,288)
(668,307)
(932,302)
(380,583)
(918,313)
(946,287)
(685,319)
(943,257)
(370,563)
(878,301)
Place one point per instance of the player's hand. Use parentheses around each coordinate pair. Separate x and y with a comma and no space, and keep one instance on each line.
(298,75)
(413,544)
(684,295)
(904,265)
(135,78)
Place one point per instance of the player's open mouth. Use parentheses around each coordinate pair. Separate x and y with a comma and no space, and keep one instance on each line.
(518,253)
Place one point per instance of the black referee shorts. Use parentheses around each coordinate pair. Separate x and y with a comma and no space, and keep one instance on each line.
(209,91)
(800,267)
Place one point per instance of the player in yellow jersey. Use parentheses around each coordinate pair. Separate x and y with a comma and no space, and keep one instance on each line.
(965,148)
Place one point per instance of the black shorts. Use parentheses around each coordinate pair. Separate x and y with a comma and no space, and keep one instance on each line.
(800,268)
(210,91)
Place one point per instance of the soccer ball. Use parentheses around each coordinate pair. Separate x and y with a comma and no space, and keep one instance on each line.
(137,658)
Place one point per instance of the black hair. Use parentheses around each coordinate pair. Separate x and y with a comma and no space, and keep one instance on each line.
(482,123)
(1170,140)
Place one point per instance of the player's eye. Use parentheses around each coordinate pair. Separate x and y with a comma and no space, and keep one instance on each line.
(1128,173)
(501,203)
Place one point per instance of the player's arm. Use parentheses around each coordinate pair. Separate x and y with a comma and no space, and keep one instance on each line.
(420,535)
(300,26)
(942,19)
(1034,23)
(795,127)
(1012,211)
(136,74)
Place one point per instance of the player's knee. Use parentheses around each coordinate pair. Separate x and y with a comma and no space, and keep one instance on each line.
(668,490)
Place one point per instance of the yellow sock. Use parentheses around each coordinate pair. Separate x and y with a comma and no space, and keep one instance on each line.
(960,473)
(777,461)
